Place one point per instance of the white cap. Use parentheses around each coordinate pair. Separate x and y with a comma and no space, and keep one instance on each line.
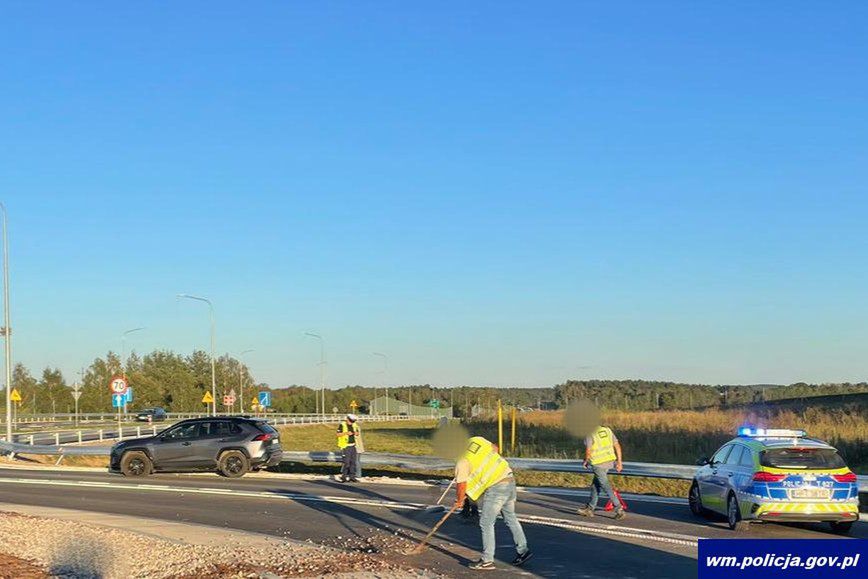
(352,417)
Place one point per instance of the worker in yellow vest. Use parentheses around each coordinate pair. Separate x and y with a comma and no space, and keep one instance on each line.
(482,472)
(602,452)
(348,436)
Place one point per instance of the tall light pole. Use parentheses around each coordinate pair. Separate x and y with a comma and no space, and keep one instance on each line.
(124,355)
(383,372)
(241,381)
(7,327)
(321,367)
(213,364)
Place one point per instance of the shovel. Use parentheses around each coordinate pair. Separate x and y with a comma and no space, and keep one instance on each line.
(421,546)
(437,506)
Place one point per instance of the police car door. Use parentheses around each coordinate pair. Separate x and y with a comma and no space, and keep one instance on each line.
(711,485)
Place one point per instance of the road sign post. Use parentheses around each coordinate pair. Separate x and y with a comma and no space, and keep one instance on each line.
(76,394)
(119,387)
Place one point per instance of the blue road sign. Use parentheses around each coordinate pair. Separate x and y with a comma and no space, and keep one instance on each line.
(265,399)
(129,395)
(118,400)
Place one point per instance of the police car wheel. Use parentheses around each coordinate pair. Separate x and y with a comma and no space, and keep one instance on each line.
(733,515)
(233,464)
(694,499)
(136,463)
(841,528)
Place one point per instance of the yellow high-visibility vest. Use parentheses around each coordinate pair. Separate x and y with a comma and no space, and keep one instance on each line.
(602,445)
(487,467)
(344,441)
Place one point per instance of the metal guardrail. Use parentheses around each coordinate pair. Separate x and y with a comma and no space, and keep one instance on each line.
(407,461)
(131,416)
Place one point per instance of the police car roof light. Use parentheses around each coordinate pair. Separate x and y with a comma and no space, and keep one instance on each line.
(771,432)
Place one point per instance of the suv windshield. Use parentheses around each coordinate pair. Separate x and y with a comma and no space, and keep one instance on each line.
(808,458)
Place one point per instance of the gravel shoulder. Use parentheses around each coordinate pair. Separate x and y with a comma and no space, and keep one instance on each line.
(41,542)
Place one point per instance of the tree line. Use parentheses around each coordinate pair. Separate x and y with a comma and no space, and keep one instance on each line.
(178,383)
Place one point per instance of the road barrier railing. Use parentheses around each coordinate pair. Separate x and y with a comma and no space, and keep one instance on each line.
(410,462)
(68,437)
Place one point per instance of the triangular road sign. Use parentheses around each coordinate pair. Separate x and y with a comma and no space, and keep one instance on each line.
(15,396)
(207,399)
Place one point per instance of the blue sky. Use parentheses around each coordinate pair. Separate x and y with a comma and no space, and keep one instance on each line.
(490,192)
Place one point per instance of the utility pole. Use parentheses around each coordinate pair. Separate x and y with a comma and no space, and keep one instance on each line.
(383,372)
(213,363)
(241,382)
(124,356)
(321,366)
(7,325)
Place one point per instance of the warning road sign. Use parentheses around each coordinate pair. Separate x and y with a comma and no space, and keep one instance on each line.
(119,385)
(228,400)
(15,396)
(207,399)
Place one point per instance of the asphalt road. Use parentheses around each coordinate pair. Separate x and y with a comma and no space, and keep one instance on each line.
(653,541)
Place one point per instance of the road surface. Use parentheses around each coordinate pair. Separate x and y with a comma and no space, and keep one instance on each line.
(654,541)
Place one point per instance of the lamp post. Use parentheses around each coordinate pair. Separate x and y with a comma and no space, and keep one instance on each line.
(7,327)
(321,367)
(383,372)
(241,381)
(124,355)
(213,364)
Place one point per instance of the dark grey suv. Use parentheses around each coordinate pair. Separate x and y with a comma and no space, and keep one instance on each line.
(231,445)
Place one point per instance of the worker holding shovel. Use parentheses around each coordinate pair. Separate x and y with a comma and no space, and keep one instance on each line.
(482,472)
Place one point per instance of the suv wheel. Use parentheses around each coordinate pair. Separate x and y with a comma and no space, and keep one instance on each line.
(733,514)
(233,464)
(136,463)
(694,499)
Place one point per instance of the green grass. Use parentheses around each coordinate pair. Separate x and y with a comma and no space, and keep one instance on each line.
(400,436)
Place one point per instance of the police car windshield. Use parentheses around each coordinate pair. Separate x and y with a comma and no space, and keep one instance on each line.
(807,458)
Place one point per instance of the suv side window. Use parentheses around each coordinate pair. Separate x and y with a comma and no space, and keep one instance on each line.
(182,432)
(735,456)
(720,456)
(223,428)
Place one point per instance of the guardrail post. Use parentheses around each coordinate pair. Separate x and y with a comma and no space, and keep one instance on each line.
(121,433)
(138,431)
(100,434)
(154,427)
(57,439)
(31,440)
(79,436)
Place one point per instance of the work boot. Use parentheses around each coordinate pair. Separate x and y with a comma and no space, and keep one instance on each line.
(585,511)
(620,514)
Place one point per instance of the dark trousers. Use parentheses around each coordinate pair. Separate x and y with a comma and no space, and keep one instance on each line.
(348,470)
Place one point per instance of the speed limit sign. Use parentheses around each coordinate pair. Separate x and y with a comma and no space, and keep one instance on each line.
(119,385)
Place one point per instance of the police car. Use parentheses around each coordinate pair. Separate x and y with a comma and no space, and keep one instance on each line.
(771,475)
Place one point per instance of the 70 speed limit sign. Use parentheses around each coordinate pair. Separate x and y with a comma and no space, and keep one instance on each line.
(119,385)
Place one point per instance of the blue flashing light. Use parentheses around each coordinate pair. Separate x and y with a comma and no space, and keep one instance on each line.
(751,431)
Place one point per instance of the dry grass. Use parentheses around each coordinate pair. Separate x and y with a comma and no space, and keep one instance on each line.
(682,436)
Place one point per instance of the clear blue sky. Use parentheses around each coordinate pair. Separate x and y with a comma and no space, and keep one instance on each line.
(489,192)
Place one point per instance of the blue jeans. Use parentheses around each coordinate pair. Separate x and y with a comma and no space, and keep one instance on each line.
(497,499)
(601,483)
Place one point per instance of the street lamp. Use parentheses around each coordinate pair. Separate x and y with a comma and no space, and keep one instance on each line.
(241,382)
(7,328)
(124,355)
(213,365)
(383,372)
(321,367)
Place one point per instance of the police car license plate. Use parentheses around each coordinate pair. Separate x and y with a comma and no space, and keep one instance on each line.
(810,493)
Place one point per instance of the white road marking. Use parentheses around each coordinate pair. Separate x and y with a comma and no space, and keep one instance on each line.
(672,538)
